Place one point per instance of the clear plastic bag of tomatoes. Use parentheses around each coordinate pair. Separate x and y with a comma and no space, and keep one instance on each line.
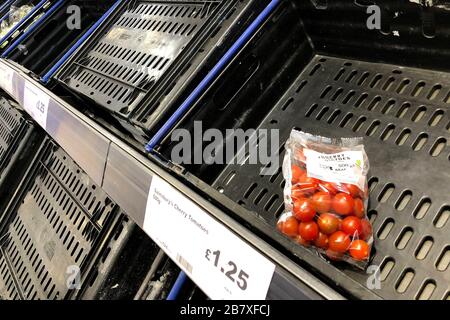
(326,197)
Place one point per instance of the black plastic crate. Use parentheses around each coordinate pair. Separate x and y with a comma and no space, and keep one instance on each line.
(19,140)
(403,112)
(41,49)
(58,221)
(151,53)
(39,8)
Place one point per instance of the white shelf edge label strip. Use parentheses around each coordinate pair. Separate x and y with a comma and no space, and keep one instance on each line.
(219,262)
(36,102)
(6,79)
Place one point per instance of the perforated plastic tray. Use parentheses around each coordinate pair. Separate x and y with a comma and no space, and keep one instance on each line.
(55,223)
(403,114)
(19,139)
(142,43)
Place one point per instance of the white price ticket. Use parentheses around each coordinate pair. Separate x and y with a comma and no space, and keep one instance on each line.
(6,79)
(219,262)
(36,104)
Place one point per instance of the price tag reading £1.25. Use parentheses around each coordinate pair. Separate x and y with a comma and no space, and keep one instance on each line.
(220,263)
(6,79)
(36,104)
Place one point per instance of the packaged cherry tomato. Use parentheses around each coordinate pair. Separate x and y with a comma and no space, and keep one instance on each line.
(326,197)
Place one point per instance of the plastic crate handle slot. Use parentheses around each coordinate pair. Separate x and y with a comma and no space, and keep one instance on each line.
(18,25)
(46,78)
(179,283)
(223,62)
(32,28)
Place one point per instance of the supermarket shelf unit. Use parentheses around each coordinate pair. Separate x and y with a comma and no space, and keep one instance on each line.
(125,174)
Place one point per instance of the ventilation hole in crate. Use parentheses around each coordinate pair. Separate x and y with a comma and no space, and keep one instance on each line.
(388,106)
(359,123)
(386,268)
(260,196)
(333,116)
(374,103)
(422,208)
(363,78)
(442,217)
(403,85)
(373,128)
(403,200)
(346,120)
(348,97)
(444,259)
(311,110)
(419,114)
(376,80)
(373,182)
(447,98)
(351,76)
(434,92)
(337,94)
(403,239)
(339,74)
(386,193)
(424,248)
(385,229)
(388,84)
(438,147)
(405,280)
(372,215)
(301,86)
(287,104)
(315,69)
(325,92)
(403,110)
(322,113)
(271,202)
(403,137)
(436,118)
(427,290)
(250,190)
(387,133)
(361,100)
(420,142)
(418,89)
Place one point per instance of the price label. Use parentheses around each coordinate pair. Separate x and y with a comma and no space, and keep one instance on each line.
(36,104)
(219,262)
(6,79)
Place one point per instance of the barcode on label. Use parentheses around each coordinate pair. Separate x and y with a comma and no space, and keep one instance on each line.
(184,263)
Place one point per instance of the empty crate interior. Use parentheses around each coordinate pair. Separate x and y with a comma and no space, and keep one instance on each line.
(51,227)
(57,34)
(320,69)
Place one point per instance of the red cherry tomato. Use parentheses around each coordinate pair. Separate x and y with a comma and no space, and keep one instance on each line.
(308,230)
(366,229)
(359,250)
(352,226)
(304,210)
(308,184)
(302,241)
(339,242)
(353,190)
(328,187)
(328,223)
(297,193)
(358,208)
(335,256)
(343,204)
(289,226)
(321,202)
(297,173)
(321,241)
